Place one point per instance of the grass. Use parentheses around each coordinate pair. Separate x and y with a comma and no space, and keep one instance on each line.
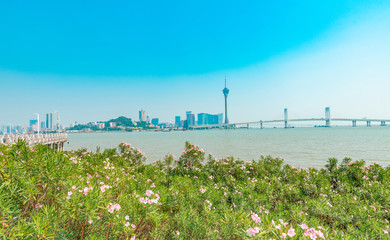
(46,194)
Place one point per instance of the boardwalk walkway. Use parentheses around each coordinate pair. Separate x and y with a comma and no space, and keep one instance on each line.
(55,140)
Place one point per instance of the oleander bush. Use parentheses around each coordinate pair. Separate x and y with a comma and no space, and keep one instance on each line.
(46,194)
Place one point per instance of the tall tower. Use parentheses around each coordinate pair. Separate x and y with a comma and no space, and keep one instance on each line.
(225,93)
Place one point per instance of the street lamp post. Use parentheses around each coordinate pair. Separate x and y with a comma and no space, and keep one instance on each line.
(37,121)
(58,120)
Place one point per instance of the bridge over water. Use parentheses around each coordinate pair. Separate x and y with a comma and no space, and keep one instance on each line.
(54,140)
(327,120)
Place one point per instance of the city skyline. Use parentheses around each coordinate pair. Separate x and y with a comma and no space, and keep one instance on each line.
(332,55)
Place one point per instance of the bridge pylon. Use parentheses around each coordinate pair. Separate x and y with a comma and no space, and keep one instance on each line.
(327,116)
(285,118)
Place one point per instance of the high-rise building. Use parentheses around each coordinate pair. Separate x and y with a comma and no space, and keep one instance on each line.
(185,124)
(202,118)
(178,121)
(148,119)
(220,118)
(33,122)
(225,93)
(155,121)
(190,118)
(49,120)
(142,116)
(206,118)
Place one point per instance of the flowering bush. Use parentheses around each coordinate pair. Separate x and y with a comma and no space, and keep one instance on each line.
(46,194)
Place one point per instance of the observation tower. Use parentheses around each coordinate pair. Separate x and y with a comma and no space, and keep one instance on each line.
(225,93)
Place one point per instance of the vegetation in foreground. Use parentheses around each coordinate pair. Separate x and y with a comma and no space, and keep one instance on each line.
(45,194)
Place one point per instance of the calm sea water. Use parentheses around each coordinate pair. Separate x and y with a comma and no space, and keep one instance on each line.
(300,147)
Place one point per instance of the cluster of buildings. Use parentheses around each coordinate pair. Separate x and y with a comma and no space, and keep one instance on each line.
(154,121)
(122,123)
(47,126)
(17,129)
(190,120)
(34,126)
(202,119)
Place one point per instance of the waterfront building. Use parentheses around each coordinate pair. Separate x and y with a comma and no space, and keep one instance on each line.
(112,124)
(49,120)
(190,118)
(185,124)
(206,118)
(148,119)
(202,118)
(155,121)
(101,125)
(178,121)
(33,122)
(220,118)
(43,125)
(142,116)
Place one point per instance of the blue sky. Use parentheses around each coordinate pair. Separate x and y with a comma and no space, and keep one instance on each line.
(97,60)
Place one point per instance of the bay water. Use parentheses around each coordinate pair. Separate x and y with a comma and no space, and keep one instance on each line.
(299,147)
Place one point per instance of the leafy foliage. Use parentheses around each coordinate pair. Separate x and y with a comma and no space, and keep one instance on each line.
(46,194)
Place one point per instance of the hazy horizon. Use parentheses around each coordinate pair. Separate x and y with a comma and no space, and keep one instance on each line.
(95,62)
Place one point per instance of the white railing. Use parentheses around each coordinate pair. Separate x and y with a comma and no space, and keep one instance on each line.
(32,139)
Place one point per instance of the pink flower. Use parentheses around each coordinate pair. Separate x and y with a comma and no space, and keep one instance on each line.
(86,190)
(127,217)
(90,221)
(132,225)
(132,238)
(203,190)
(252,231)
(291,232)
(277,226)
(385,231)
(256,218)
(127,224)
(304,226)
(283,223)
(149,193)
(283,235)
(112,207)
